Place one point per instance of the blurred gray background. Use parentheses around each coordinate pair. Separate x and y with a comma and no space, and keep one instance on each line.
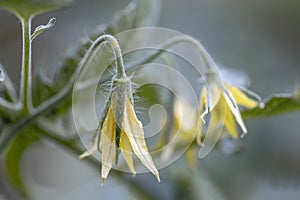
(261,38)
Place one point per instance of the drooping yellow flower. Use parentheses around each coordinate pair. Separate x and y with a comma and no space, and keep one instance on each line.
(183,130)
(225,108)
(120,129)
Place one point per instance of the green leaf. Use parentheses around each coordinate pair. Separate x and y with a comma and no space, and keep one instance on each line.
(25,9)
(14,155)
(275,105)
(38,30)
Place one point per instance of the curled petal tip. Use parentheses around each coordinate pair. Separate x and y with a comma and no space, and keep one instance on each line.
(202,145)
(202,119)
(157,177)
(84,155)
(102,181)
(88,153)
(243,135)
(203,115)
(261,105)
(199,142)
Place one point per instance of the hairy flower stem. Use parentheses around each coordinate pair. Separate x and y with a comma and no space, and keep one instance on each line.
(210,65)
(118,56)
(26,73)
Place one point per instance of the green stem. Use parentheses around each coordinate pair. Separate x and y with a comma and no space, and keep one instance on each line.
(9,110)
(211,66)
(118,55)
(26,73)
(9,89)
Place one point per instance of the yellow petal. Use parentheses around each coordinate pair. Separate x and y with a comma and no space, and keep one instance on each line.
(127,152)
(184,116)
(199,131)
(241,98)
(88,152)
(230,124)
(235,111)
(168,151)
(108,143)
(177,130)
(213,133)
(217,117)
(213,94)
(183,130)
(191,158)
(135,133)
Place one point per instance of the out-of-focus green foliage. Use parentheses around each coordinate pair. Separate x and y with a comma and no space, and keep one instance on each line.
(277,104)
(14,155)
(27,8)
